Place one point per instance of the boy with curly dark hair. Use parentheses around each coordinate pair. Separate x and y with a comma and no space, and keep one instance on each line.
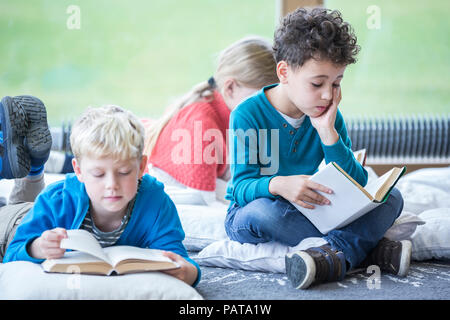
(298,123)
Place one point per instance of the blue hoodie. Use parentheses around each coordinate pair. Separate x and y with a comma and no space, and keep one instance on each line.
(154,222)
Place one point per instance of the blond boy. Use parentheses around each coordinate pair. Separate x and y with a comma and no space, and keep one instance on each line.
(108,195)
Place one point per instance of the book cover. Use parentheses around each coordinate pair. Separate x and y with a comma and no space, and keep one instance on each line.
(349,200)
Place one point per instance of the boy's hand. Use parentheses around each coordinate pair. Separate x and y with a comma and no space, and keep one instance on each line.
(299,189)
(324,124)
(47,246)
(187,271)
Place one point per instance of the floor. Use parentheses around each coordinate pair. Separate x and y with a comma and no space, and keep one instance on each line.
(428,280)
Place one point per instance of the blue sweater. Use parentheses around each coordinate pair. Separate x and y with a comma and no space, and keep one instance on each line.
(264,145)
(154,222)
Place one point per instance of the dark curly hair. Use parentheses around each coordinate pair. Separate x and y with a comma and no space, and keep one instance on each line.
(319,33)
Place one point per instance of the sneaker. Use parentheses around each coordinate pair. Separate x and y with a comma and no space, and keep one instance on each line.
(14,126)
(391,256)
(38,138)
(315,265)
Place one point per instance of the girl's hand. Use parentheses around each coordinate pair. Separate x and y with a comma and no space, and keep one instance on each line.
(324,123)
(299,189)
(187,271)
(47,246)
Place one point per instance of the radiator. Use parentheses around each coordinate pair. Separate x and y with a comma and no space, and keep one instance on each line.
(61,137)
(410,139)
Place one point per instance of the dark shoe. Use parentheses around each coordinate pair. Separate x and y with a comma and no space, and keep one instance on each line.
(391,256)
(315,265)
(14,127)
(38,138)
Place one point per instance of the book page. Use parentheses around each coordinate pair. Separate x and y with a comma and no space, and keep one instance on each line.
(74,258)
(376,184)
(355,183)
(389,184)
(82,240)
(77,262)
(360,156)
(117,254)
(381,186)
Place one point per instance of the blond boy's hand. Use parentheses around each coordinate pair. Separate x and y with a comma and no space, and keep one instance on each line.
(299,189)
(47,246)
(187,271)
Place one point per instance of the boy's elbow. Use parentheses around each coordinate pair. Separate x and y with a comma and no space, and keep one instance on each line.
(364,177)
(239,196)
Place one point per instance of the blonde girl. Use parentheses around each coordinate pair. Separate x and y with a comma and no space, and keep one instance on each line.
(187,147)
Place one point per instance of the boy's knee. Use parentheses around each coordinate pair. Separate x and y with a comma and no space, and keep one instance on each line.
(265,213)
(395,200)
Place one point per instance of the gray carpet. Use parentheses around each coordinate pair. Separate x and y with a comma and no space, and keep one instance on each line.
(426,280)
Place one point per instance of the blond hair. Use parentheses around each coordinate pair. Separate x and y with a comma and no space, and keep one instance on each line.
(249,61)
(108,131)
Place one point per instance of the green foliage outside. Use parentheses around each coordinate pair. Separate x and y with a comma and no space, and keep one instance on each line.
(142,54)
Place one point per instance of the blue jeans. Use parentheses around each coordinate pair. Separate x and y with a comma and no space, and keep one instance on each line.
(264,220)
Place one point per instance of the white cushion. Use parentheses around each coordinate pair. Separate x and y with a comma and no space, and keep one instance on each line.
(432,240)
(26,280)
(404,226)
(269,257)
(266,257)
(425,189)
(202,225)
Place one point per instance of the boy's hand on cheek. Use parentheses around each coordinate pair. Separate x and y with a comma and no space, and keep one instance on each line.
(47,246)
(324,123)
(187,271)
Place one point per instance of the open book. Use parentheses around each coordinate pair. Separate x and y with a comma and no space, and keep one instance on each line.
(349,200)
(91,258)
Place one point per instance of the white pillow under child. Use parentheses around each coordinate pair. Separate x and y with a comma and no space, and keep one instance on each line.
(432,240)
(269,257)
(265,257)
(425,189)
(23,280)
(202,225)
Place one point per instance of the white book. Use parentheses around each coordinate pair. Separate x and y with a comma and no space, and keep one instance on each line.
(91,258)
(349,200)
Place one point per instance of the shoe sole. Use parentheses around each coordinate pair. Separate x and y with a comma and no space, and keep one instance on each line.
(405,258)
(14,127)
(38,138)
(300,269)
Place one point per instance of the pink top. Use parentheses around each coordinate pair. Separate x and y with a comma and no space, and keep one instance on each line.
(192,146)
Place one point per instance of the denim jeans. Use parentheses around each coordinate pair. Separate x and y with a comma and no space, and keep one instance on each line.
(264,220)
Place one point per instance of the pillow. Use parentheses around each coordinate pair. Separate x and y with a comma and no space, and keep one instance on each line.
(432,240)
(404,226)
(26,280)
(269,256)
(425,189)
(202,225)
(265,257)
